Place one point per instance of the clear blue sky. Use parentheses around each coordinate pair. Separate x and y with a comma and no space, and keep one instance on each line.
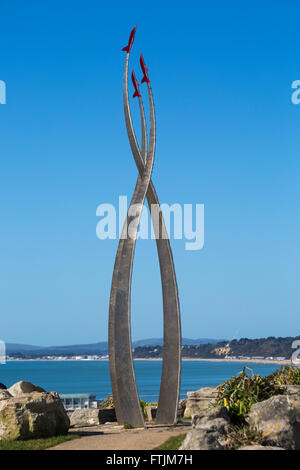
(227,137)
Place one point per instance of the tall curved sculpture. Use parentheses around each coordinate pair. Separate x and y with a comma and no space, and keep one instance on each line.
(123,382)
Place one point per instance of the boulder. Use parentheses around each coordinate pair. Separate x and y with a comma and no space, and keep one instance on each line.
(259,447)
(199,400)
(213,415)
(201,440)
(2,386)
(92,417)
(209,430)
(4,394)
(24,387)
(278,419)
(181,408)
(33,415)
(291,389)
(151,412)
(85,417)
(108,402)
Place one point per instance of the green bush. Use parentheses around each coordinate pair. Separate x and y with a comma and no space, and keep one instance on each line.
(143,406)
(288,375)
(127,426)
(239,393)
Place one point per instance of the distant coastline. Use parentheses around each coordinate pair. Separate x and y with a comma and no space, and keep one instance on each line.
(194,359)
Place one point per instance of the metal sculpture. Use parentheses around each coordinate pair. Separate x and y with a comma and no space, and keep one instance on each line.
(123,381)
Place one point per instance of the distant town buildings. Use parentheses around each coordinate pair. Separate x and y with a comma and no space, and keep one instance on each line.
(57,358)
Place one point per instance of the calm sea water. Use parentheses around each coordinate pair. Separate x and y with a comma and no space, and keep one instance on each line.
(93,376)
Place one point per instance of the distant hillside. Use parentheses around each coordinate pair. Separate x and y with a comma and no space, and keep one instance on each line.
(263,347)
(12,347)
(159,341)
(101,349)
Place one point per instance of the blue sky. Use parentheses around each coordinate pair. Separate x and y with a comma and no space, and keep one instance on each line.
(227,137)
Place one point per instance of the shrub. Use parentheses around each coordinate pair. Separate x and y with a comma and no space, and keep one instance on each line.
(143,406)
(240,436)
(127,426)
(287,375)
(239,393)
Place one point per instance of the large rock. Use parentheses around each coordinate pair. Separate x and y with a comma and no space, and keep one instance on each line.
(24,387)
(2,386)
(33,415)
(150,412)
(181,408)
(199,400)
(278,419)
(108,402)
(4,394)
(209,430)
(88,417)
(92,417)
(291,389)
(201,440)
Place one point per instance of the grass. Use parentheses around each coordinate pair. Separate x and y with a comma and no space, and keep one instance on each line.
(173,443)
(127,426)
(288,375)
(36,444)
(240,436)
(239,393)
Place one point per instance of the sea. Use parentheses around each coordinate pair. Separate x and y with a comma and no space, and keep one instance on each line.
(93,376)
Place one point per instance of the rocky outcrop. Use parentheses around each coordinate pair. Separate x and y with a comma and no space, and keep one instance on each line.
(290,389)
(209,430)
(32,415)
(181,408)
(278,419)
(4,394)
(199,400)
(2,386)
(108,402)
(92,417)
(82,418)
(24,387)
(150,412)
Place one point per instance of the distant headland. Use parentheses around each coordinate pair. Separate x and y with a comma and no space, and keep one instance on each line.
(269,349)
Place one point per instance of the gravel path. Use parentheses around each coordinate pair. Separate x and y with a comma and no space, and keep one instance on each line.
(113,437)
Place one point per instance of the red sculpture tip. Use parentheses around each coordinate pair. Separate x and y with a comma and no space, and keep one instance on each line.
(135,84)
(130,41)
(144,70)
